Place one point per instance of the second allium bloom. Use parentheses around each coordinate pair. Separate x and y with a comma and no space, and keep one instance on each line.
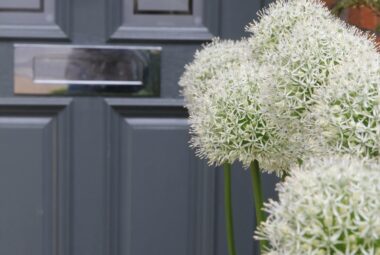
(303,44)
(328,206)
(347,113)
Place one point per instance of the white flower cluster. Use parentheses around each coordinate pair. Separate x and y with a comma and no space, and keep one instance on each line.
(230,124)
(302,43)
(328,206)
(222,90)
(304,61)
(347,114)
(276,23)
(260,98)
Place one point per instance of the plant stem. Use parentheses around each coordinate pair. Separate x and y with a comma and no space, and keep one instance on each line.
(228,209)
(283,177)
(258,197)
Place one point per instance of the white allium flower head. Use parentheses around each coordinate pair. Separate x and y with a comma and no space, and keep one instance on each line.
(277,21)
(302,43)
(229,124)
(327,206)
(212,59)
(222,90)
(347,112)
(305,60)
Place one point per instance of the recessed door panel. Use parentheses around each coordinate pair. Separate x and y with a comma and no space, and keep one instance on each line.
(25,186)
(21,5)
(34,19)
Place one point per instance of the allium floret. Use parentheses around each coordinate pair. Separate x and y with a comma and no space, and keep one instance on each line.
(347,113)
(327,206)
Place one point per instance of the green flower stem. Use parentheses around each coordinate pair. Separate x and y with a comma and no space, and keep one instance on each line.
(228,209)
(258,196)
(283,177)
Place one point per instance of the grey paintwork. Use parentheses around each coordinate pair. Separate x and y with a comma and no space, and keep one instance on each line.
(101,176)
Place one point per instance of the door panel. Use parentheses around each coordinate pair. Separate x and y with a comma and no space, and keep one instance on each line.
(163,20)
(33,176)
(21,4)
(160,193)
(156,201)
(34,18)
(25,216)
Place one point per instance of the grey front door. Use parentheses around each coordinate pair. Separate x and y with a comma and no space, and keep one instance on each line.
(113,176)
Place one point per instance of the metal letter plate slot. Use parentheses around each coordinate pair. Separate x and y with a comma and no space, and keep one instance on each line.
(66,70)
